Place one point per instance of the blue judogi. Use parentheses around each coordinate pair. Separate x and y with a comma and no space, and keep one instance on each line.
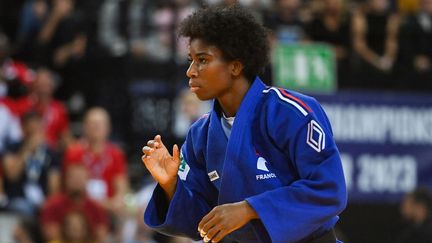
(280,157)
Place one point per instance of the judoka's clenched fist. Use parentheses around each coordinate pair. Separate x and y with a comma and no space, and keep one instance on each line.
(162,166)
(224,219)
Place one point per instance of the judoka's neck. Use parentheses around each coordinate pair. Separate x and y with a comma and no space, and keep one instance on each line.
(230,102)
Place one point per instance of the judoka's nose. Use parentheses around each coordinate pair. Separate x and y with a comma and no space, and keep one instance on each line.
(192,71)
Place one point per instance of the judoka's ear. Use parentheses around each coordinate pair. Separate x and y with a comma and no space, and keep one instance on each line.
(236,68)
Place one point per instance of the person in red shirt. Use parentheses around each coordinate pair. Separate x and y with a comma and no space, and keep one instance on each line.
(41,100)
(104,160)
(73,200)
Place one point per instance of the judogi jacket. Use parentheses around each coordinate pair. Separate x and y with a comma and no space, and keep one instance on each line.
(280,157)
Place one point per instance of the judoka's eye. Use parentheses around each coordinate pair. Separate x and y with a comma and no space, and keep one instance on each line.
(189,60)
(202,60)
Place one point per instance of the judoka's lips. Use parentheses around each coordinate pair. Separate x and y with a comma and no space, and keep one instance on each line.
(194,87)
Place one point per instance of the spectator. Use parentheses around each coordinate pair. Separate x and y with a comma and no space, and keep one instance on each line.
(408,6)
(33,15)
(416,208)
(375,30)
(105,161)
(62,37)
(254,4)
(139,232)
(75,228)
(286,23)
(110,65)
(10,130)
(60,211)
(331,25)
(418,29)
(14,75)
(152,39)
(27,231)
(31,170)
(111,34)
(41,100)
(183,9)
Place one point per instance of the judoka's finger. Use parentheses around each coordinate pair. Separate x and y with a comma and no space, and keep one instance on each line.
(151,143)
(204,220)
(211,223)
(212,233)
(158,141)
(219,236)
(147,150)
(146,161)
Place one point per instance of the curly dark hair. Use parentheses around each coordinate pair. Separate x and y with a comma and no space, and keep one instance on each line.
(233,30)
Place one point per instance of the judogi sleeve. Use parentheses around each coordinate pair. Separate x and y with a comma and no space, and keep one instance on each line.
(190,203)
(296,211)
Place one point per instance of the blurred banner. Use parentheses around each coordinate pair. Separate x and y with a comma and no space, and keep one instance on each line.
(304,67)
(385,141)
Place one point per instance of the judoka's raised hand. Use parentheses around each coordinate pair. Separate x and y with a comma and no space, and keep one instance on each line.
(162,166)
(224,219)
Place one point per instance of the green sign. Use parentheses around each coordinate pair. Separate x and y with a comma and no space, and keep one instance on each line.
(304,67)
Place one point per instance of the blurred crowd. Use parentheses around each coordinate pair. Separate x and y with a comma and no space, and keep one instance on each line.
(70,69)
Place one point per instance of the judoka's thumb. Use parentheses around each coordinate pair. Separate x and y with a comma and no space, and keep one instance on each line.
(176,154)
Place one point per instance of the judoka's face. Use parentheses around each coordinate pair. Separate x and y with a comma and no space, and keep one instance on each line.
(210,75)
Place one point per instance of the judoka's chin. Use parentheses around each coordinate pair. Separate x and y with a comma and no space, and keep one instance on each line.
(202,97)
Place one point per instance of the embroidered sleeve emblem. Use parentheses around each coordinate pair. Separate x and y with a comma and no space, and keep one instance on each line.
(315,136)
